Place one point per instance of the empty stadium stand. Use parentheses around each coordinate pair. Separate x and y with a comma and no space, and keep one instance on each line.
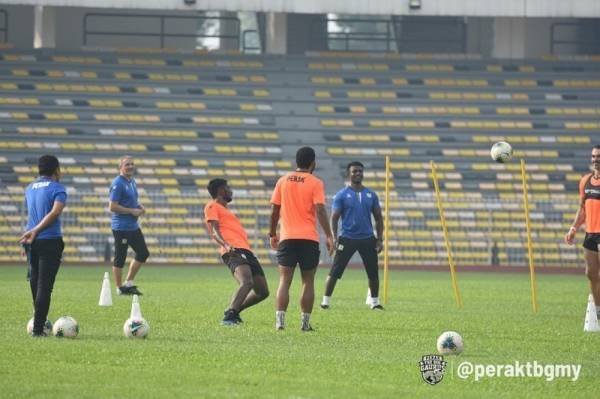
(189,118)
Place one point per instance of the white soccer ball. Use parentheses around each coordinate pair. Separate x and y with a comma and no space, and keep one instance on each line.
(47,327)
(501,152)
(136,327)
(66,326)
(450,343)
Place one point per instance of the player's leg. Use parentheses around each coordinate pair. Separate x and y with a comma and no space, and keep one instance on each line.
(287,258)
(344,251)
(307,297)
(368,254)
(592,271)
(243,275)
(34,269)
(260,290)
(308,262)
(50,253)
(138,244)
(286,275)
(121,245)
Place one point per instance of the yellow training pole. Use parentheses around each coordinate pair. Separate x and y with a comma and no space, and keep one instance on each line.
(386,222)
(529,240)
(440,206)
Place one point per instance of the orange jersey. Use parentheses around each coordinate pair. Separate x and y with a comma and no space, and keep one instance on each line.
(298,193)
(589,191)
(229,225)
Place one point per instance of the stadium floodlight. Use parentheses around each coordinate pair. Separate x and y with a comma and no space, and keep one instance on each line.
(414,4)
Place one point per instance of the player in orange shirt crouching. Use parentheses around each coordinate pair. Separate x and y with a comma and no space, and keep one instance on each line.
(227,230)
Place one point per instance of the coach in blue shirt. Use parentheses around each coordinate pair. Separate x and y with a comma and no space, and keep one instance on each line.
(45,199)
(126,210)
(355,204)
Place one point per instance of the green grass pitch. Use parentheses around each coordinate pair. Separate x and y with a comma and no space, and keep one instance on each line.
(354,352)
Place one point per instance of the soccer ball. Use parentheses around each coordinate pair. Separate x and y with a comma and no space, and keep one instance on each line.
(47,327)
(136,327)
(501,152)
(450,343)
(66,326)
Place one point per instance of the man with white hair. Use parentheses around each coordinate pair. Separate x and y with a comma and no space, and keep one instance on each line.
(126,209)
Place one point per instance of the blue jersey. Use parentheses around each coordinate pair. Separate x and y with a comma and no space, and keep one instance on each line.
(356,209)
(124,192)
(39,198)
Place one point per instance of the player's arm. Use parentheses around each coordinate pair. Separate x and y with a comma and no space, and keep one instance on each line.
(579,220)
(217,236)
(114,207)
(335,218)
(275,212)
(324,222)
(379,228)
(29,236)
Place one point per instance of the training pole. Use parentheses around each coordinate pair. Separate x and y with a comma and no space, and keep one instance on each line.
(386,230)
(440,207)
(529,240)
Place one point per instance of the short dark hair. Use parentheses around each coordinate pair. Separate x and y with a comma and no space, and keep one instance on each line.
(596,147)
(47,165)
(304,157)
(354,163)
(214,185)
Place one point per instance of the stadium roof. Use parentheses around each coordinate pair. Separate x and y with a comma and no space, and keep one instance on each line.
(505,8)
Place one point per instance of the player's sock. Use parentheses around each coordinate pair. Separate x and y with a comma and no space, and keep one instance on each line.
(325,302)
(369,300)
(280,319)
(128,283)
(306,322)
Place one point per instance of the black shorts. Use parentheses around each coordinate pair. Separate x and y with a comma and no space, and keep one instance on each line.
(298,252)
(346,247)
(135,240)
(240,257)
(591,241)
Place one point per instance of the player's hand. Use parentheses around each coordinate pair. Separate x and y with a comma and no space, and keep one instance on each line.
(274,240)
(28,237)
(570,236)
(330,245)
(379,245)
(137,212)
(142,208)
(228,248)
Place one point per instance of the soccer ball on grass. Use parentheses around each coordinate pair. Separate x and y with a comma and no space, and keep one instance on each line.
(450,343)
(66,327)
(136,327)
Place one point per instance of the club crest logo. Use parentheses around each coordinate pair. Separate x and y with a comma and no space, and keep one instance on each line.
(432,368)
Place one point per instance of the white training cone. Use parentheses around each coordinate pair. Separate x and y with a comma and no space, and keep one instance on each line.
(591,318)
(136,312)
(105,295)
(369,300)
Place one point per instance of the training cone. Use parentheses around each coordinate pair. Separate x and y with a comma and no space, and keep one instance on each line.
(591,318)
(105,295)
(369,300)
(136,312)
